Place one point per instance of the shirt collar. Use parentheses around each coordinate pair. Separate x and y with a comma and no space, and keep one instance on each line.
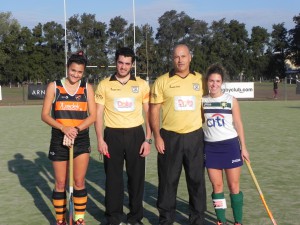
(172,73)
(113,77)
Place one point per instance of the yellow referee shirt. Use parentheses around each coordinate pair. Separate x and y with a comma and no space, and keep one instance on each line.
(180,99)
(123,103)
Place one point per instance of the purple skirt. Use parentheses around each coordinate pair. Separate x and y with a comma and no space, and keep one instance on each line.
(223,154)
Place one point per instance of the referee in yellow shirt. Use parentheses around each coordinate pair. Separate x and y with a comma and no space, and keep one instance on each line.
(179,142)
(121,100)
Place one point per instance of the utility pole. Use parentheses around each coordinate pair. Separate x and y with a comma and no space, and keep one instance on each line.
(147,78)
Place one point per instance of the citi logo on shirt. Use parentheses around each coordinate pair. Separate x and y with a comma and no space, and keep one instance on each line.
(216,120)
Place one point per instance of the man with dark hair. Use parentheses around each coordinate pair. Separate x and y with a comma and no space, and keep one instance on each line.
(121,100)
(127,52)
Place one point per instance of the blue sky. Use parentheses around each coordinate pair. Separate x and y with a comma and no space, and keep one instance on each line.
(262,13)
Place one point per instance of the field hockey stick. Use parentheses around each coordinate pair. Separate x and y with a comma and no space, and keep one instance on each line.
(260,192)
(71,205)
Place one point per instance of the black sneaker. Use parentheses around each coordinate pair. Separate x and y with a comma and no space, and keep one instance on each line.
(136,223)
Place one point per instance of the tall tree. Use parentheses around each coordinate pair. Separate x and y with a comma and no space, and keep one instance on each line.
(173,28)
(87,34)
(294,53)
(258,59)
(26,50)
(199,35)
(54,51)
(218,44)
(9,32)
(238,38)
(279,48)
(117,35)
(146,60)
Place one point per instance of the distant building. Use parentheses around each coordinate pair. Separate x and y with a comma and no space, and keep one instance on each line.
(292,72)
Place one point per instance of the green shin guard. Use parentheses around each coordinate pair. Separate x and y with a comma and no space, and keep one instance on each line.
(219,203)
(237,206)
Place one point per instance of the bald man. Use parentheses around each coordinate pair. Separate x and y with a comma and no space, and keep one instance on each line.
(179,141)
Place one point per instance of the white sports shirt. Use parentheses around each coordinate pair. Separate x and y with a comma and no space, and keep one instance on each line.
(218,125)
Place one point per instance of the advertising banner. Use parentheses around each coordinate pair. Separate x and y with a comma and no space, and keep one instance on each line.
(239,89)
(36,92)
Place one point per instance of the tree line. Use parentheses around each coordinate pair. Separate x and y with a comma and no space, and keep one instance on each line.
(38,54)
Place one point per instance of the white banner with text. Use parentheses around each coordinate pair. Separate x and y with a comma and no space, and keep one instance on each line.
(239,89)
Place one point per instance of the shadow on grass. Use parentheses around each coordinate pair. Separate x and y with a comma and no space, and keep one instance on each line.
(30,178)
(293,107)
(95,175)
(36,176)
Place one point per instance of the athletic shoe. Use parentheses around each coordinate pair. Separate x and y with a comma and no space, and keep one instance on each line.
(236,223)
(61,222)
(221,223)
(80,222)
(136,223)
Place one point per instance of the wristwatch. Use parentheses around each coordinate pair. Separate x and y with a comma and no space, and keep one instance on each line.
(149,141)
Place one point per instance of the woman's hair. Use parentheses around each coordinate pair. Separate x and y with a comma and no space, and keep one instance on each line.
(216,68)
(78,58)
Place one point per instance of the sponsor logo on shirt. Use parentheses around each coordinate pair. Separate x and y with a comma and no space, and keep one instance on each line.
(115,89)
(196,87)
(206,104)
(184,103)
(124,104)
(65,97)
(216,120)
(223,104)
(73,106)
(174,86)
(153,95)
(135,89)
(77,97)
(99,96)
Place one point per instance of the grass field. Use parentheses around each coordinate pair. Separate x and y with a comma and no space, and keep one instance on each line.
(272,136)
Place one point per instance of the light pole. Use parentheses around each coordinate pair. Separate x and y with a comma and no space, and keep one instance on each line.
(66,53)
(147,78)
(133,5)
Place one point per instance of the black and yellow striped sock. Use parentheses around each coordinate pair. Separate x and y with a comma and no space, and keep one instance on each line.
(80,201)
(59,200)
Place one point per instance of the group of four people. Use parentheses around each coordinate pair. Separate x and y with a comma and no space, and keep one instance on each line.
(193,123)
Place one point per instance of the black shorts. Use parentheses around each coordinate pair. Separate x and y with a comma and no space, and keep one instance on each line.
(59,152)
